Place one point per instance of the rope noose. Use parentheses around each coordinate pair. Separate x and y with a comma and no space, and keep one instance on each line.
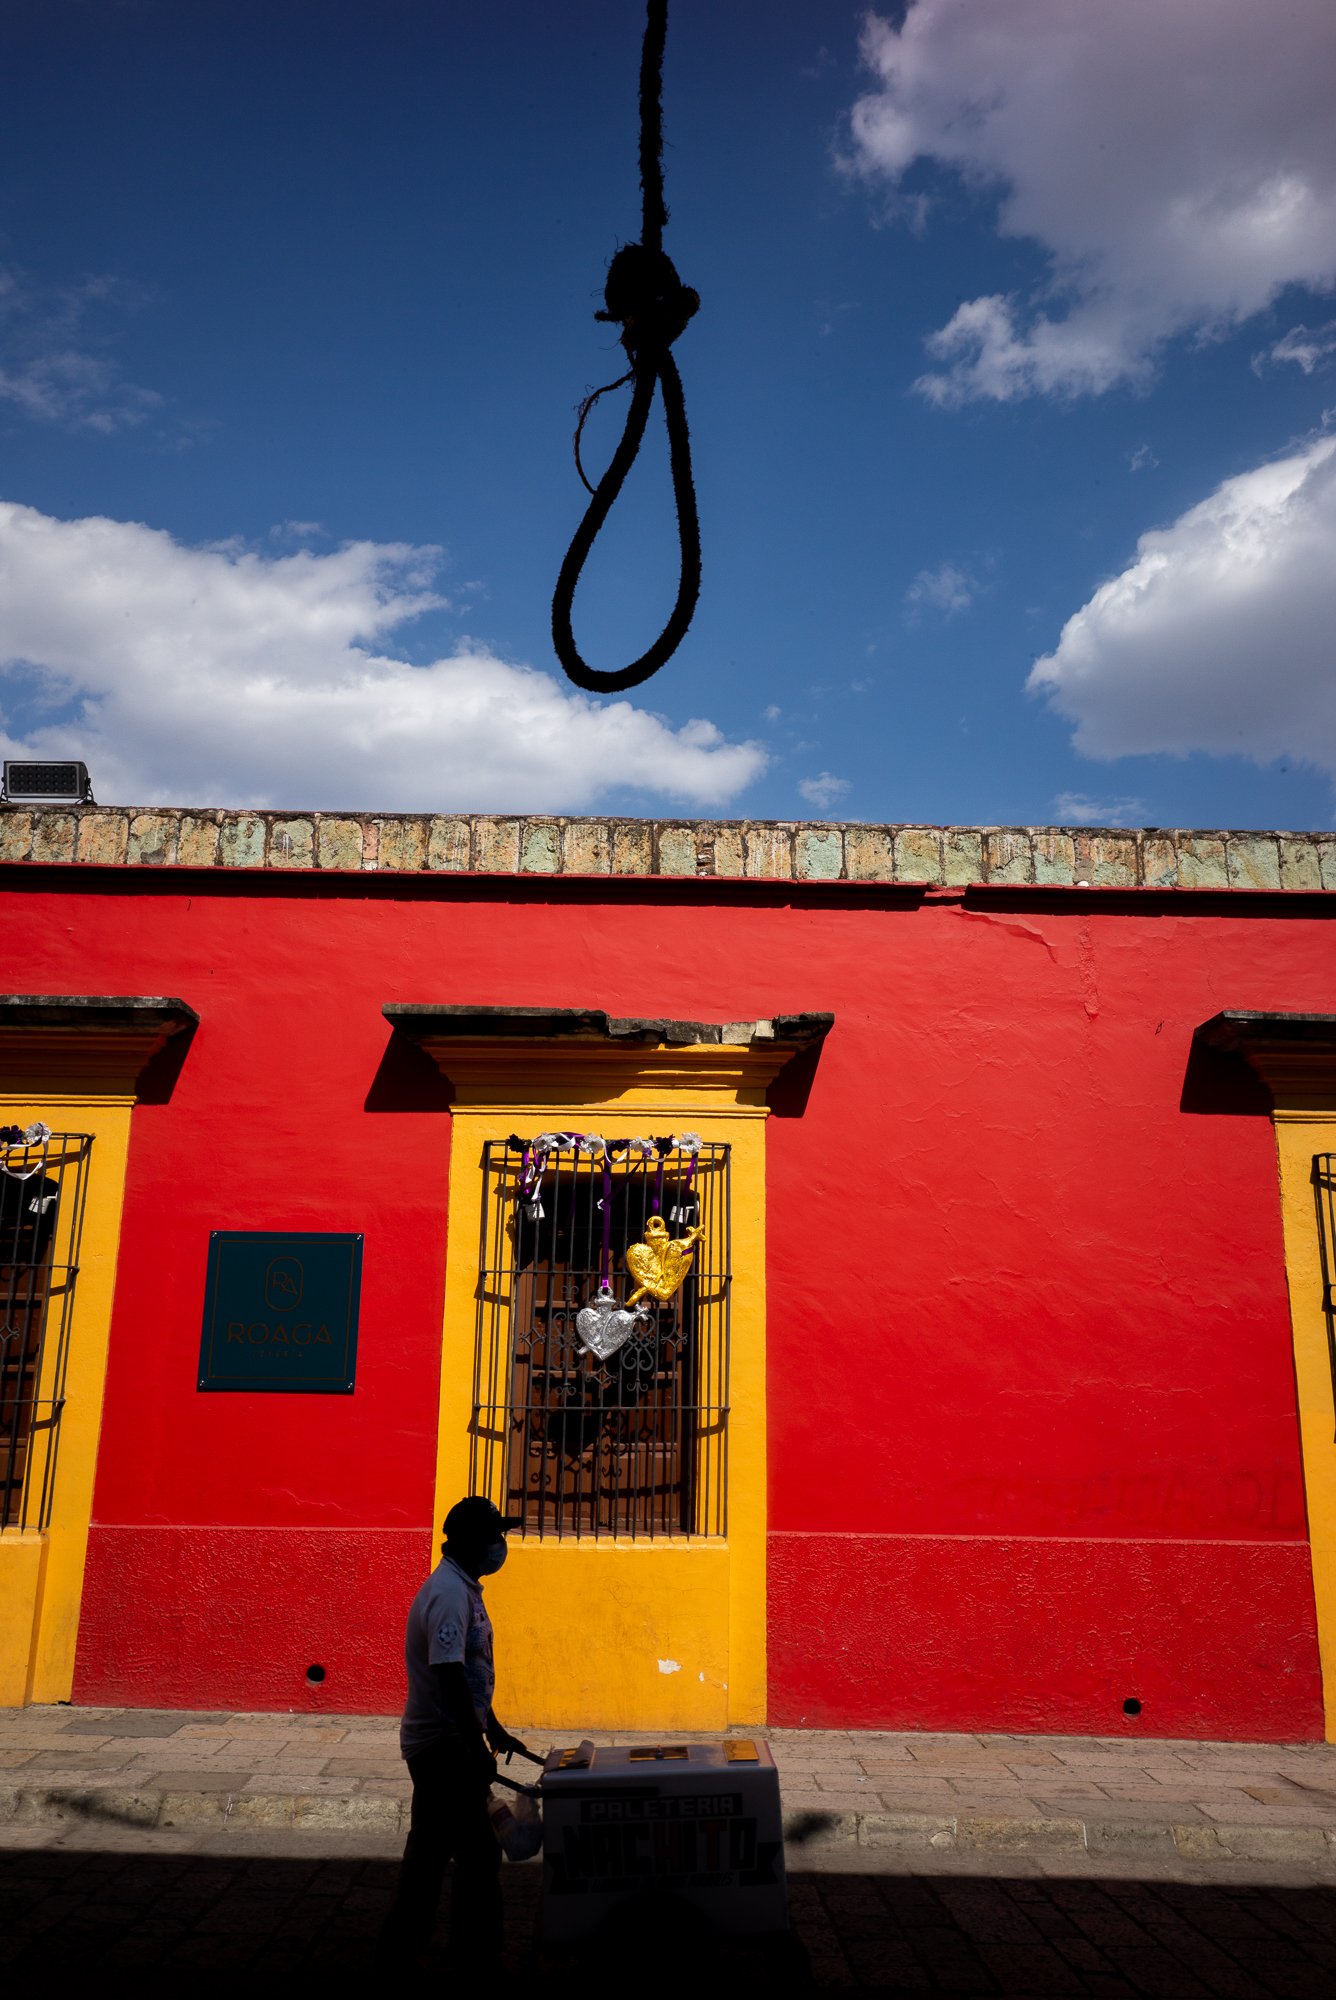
(647,299)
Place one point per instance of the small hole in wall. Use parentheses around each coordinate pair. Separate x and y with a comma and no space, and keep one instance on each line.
(1131,1706)
(318,1674)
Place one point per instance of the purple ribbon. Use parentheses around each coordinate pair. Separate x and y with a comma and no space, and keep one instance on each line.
(665,1147)
(605,1261)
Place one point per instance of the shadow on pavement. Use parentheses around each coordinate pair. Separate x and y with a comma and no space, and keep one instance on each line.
(259,1919)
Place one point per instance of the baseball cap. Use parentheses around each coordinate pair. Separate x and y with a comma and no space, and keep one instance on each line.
(476,1519)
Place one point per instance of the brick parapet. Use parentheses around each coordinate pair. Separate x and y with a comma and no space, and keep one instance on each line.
(543,845)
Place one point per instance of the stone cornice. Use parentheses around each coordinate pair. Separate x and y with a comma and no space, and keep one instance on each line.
(101,1041)
(537,846)
(567,1055)
(589,1026)
(1294,1055)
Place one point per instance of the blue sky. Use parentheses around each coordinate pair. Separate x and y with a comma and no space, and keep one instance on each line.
(297,304)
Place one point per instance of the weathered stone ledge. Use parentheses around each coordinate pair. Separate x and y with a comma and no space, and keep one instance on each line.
(738,850)
(808,1831)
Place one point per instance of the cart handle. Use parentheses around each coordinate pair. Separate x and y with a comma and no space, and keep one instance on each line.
(514,1785)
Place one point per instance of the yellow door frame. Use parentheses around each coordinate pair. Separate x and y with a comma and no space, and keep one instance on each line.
(1299,1135)
(616,1633)
(74,1065)
(41,1570)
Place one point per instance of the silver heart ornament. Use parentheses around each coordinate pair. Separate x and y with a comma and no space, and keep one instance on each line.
(604,1326)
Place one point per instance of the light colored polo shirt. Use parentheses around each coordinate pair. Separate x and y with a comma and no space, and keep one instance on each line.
(447,1622)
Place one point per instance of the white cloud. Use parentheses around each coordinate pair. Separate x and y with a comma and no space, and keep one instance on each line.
(947,588)
(222,676)
(1078,809)
(1306,346)
(79,391)
(50,368)
(1174,159)
(823,790)
(1143,459)
(1218,637)
(297,531)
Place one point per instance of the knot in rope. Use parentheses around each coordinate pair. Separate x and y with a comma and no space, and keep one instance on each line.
(645,297)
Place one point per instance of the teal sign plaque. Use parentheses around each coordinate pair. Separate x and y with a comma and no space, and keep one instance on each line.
(280,1311)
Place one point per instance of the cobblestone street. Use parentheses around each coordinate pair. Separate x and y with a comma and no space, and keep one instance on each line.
(273,1906)
(263,1848)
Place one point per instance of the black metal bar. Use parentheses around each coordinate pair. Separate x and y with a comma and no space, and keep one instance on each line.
(726,1351)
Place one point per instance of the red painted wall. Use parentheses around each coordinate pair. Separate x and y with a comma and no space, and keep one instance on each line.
(1033,1438)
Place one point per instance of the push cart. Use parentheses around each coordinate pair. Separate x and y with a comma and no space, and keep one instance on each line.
(691,1826)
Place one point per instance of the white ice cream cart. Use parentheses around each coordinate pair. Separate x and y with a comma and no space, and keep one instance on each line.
(689,1823)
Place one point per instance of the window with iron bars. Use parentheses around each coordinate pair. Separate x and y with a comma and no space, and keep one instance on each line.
(42,1190)
(1324,1187)
(635,1444)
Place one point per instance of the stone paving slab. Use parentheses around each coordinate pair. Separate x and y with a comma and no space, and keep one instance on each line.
(860,1789)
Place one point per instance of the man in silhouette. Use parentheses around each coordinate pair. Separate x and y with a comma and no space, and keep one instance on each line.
(451,1739)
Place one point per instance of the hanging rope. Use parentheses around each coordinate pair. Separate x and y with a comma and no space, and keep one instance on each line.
(647,299)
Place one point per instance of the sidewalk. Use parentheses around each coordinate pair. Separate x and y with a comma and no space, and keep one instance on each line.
(843,1790)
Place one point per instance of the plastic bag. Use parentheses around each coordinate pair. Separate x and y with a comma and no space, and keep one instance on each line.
(517,1822)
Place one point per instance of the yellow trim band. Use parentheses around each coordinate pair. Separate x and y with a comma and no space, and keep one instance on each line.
(1299,1135)
(41,1574)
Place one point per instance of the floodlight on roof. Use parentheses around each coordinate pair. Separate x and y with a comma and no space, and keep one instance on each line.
(29,783)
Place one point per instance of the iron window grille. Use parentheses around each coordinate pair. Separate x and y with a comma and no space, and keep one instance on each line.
(634,1445)
(1324,1188)
(42,1192)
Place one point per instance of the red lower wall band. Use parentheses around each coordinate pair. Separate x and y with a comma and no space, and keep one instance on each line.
(235,1618)
(1049,1635)
(1212,1638)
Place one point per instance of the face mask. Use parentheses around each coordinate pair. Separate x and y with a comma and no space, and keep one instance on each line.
(493,1559)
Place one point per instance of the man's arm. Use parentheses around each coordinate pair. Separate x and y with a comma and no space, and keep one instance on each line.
(503,1744)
